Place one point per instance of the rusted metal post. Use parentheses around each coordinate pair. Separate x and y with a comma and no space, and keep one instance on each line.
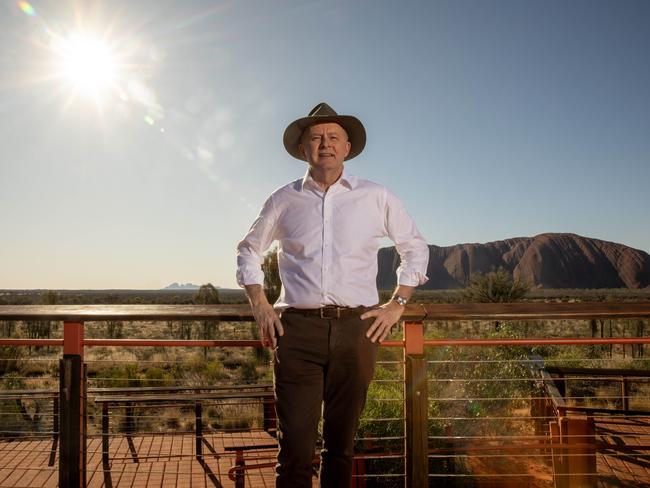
(581,452)
(560,478)
(198,430)
(240,474)
(270,417)
(106,465)
(358,473)
(560,383)
(72,450)
(625,393)
(574,464)
(415,375)
(55,430)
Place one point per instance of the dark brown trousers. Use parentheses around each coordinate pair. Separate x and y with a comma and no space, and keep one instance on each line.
(321,365)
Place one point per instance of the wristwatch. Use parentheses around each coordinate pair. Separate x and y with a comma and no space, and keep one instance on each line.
(400,299)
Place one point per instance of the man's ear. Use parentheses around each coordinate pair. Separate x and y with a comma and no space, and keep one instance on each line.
(348,146)
(302,150)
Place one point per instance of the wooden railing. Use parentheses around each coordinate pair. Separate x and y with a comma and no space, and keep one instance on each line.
(73,383)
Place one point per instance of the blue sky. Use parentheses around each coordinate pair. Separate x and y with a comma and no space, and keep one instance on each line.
(490,119)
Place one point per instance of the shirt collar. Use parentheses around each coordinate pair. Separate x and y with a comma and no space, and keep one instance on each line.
(346,180)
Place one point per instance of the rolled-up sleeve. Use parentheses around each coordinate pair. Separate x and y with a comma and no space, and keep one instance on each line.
(251,248)
(409,243)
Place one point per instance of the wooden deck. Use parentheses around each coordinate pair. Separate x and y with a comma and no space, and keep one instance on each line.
(169,460)
(623,469)
(164,461)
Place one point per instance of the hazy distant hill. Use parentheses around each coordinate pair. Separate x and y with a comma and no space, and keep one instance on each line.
(179,286)
(550,260)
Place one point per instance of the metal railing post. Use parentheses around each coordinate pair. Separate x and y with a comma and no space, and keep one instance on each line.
(55,430)
(106,465)
(72,397)
(198,430)
(578,435)
(270,418)
(625,393)
(415,375)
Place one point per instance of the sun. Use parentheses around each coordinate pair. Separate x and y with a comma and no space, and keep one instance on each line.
(87,64)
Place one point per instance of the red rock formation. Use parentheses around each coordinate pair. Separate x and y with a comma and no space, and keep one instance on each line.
(547,260)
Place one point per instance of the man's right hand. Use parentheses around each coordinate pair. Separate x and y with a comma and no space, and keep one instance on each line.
(265,315)
(269,322)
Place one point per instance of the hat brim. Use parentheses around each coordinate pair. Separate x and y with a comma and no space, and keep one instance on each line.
(353,126)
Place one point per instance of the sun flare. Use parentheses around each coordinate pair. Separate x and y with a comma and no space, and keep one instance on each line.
(95,62)
(87,64)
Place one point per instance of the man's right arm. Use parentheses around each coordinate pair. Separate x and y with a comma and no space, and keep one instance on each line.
(250,275)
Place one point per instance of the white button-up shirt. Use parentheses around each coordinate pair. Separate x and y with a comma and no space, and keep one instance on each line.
(328,242)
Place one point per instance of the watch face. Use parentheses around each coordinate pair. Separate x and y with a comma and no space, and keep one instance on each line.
(401,300)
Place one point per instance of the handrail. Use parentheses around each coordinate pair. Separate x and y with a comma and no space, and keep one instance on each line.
(413,311)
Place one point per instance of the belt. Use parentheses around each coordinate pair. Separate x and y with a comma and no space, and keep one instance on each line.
(329,312)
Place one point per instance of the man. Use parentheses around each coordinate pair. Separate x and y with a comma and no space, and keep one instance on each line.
(329,226)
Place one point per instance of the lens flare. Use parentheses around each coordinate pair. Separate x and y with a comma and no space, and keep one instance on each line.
(26,8)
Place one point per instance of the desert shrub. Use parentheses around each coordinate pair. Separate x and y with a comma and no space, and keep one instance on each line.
(194,363)
(212,412)
(36,369)
(381,427)
(12,381)
(157,377)
(248,372)
(231,424)
(495,286)
(7,328)
(213,372)
(9,359)
(123,376)
(261,356)
(172,422)
(233,361)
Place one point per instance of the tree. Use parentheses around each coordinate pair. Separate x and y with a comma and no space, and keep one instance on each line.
(272,281)
(184,330)
(40,329)
(50,297)
(207,295)
(7,328)
(495,287)
(114,329)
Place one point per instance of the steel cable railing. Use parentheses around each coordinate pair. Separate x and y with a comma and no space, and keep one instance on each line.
(485,426)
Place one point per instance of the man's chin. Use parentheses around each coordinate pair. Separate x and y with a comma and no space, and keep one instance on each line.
(328,163)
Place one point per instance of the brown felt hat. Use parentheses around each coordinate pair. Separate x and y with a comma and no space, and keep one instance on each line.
(322,113)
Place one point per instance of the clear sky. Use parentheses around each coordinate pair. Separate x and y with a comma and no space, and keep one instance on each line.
(138,139)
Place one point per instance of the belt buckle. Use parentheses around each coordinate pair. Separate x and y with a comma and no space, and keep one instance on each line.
(325,315)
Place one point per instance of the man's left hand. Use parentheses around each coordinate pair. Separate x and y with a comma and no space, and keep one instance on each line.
(385,317)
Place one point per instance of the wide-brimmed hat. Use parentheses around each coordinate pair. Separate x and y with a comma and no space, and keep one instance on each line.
(322,113)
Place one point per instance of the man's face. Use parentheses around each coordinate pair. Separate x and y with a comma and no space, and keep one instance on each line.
(325,146)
